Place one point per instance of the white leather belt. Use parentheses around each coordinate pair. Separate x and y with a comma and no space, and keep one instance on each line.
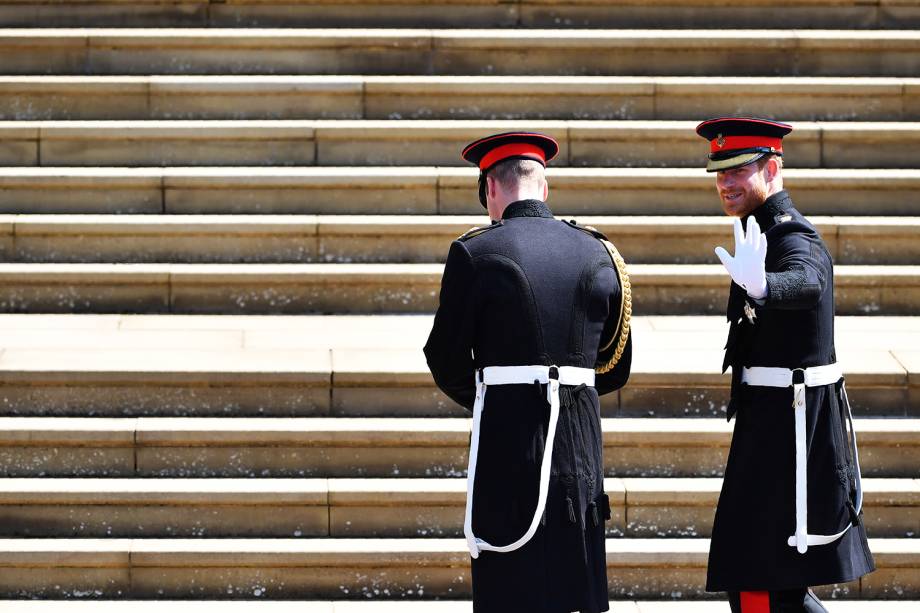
(510,375)
(799,379)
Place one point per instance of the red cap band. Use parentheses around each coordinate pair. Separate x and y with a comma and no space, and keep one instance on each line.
(512,150)
(729,143)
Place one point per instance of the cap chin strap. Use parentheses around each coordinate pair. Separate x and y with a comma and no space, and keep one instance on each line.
(482,190)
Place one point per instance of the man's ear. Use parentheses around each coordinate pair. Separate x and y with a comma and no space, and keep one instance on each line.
(545,190)
(491,187)
(772,168)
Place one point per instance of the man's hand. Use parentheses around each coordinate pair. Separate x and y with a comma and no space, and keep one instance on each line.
(747,267)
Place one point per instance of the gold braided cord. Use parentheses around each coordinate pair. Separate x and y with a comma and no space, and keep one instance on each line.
(623,322)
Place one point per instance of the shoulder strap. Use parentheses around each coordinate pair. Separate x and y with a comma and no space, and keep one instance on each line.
(474,232)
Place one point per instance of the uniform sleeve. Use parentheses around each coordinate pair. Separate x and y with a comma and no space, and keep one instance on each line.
(449,349)
(800,273)
(616,377)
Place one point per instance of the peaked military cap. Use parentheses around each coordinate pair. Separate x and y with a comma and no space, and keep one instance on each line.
(736,141)
(491,150)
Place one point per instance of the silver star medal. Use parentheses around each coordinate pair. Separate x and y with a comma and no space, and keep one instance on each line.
(749,312)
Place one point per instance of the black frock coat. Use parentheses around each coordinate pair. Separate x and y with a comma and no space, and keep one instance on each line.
(529,290)
(793,328)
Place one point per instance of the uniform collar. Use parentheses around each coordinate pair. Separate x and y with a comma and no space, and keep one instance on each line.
(773,207)
(527,208)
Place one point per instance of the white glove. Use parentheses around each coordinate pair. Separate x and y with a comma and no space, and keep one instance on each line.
(747,267)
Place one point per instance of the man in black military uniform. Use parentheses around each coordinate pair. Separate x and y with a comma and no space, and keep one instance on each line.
(789,515)
(534,311)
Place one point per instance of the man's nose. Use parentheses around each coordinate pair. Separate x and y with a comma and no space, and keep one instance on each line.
(724,182)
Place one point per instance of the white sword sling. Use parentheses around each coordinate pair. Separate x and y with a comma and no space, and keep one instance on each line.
(799,379)
(553,377)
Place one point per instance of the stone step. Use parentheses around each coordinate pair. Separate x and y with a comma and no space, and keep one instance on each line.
(363,508)
(427,191)
(846,14)
(660,289)
(758,52)
(307,366)
(423,143)
(363,568)
(395,238)
(450,97)
(375,447)
(382,606)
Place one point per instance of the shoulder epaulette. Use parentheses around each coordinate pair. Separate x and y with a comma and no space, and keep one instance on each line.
(587,230)
(473,232)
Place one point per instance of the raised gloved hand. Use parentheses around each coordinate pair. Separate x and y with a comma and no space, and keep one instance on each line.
(747,267)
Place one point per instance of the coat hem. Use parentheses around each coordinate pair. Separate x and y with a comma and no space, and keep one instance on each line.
(814,582)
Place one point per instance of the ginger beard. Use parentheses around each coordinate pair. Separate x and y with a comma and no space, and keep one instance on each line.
(742,189)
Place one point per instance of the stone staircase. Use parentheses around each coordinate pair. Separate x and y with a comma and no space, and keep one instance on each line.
(845,14)
(221,232)
(453,97)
